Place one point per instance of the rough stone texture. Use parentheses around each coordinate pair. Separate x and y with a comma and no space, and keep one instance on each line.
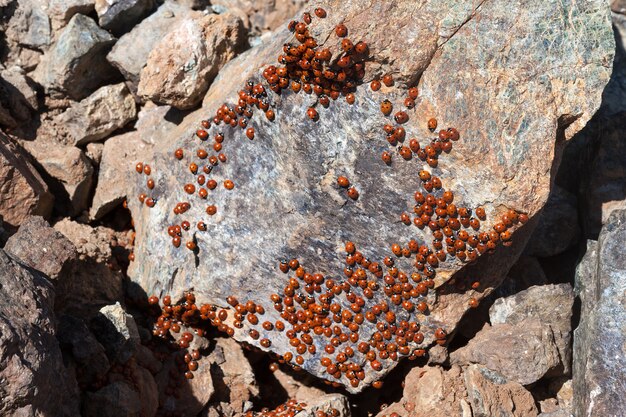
(325,403)
(17,96)
(52,252)
(263,15)
(121,153)
(119,16)
(68,172)
(75,64)
(130,53)
(61,11)
(108,109)
(618,6)
(490,394)
(22,190)
(118,399)
(28,24)
(96,280)
(34,380)
(550,304)
(75,337)
(233,379)
(93,151)
(558,227)
(182,65)
(509,112)
(434,392)
(525,273)
(599,371)
(522,353)
(300,388)
(117,332)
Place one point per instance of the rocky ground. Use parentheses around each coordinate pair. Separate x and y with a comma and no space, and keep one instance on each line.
(88,89)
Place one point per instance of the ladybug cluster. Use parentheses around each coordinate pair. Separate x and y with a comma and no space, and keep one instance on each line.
(372,314)
(290,409)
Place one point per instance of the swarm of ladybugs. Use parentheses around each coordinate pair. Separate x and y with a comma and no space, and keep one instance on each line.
(372,315)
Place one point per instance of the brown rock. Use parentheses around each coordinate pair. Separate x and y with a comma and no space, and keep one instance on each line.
(23,191)
(285,178)
(522,353)
(34,380)
(51,255)
(264,15)
(182,65)
(117,399)
(94,118)
(69,173)
(490,394)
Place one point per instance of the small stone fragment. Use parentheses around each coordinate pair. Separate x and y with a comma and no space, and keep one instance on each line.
(117,332)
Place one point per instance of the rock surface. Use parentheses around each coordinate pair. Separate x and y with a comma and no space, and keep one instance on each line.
(22,190)
(114,400)
(75,65)
(599,371)
(182,65)
(69,173)
(17,96)
(117,332)
(34,380)
(94,118)
(510,108)
(130,53)
(550,304)
(118,16)
(51,255)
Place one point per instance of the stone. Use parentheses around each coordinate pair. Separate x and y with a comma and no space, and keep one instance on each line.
(75,337)
(556,413)
(549,304)
(301,388)
(599,369)
(618,6)
(182,65)
(148,392)
(264,15)
(522,353)
(18,96)
(69,172)
(22,190)
(130,53)
(28,25)
(558,228)
(61,11)
(285,179)
(525,273)
(233,378)
(51,255)
(117,399)
(119,16)
(34,380)
(75,65)
(326,403)
(432,391)
(490,394)
(97,116)
(94,150)
(117,332)
(122,152)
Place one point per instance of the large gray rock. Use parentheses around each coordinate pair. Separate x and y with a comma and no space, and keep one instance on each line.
(28,24)
(53,253)
(69,171)
(23,191)
(130,53)
(550,304)
(34,380)
(182,65)
(599,371)
(76,65)
(286,204)
(119,16)
(103,112)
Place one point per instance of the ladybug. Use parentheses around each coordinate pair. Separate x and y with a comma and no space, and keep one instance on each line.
(353,193)
(386,157)
(432,124)
(350,98)
(361,47)
(386,107)
(405,152)
(388,80)
(409,103)
(343,182)
(178,154)
(202,134)
(319,12)
(250,133)
(229,185)
(401,117)
(347,45)
(211,210)
(375,85)
(341,30)
(312,113)
(413,92)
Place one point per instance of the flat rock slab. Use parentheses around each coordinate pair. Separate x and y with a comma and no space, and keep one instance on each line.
(516,78)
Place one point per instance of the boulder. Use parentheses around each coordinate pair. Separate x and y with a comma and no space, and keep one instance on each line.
(182,65)
(130,53)
(522,353)
(23,191)
(34,379)
(117,332)
(285,202)
(550,304)
(599,369)
(68,171)
(75,65)
(61,11)
(263,15)
(18,96)
(52,255)
(117,399)
(94,118)
(119,16)
(28,25)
